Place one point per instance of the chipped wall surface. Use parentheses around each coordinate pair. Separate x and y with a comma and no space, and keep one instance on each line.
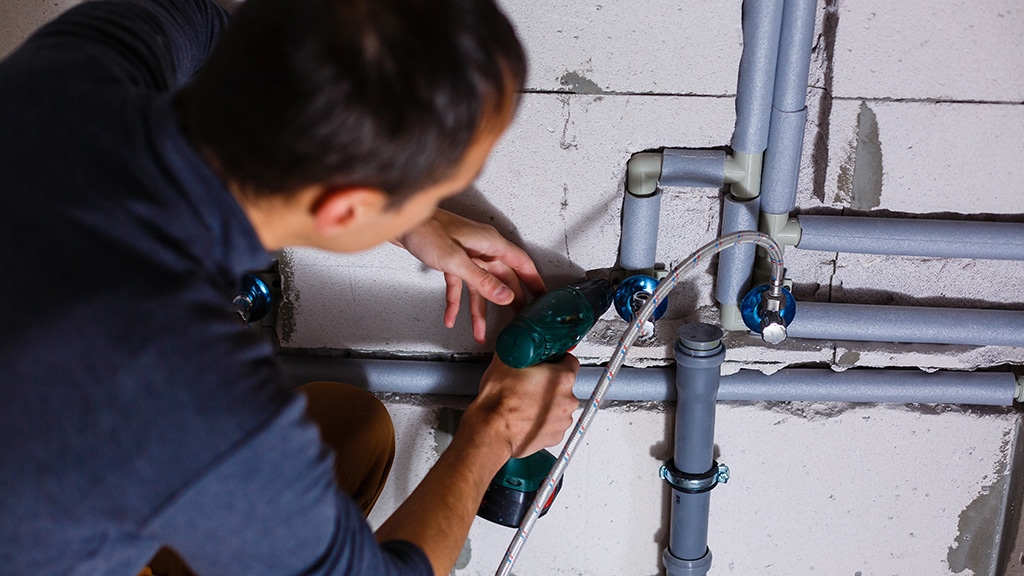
(913,107)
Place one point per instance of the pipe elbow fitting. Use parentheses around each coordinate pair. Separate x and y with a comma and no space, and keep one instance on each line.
(643,172)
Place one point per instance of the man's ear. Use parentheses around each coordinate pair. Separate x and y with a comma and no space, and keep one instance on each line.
(338,210)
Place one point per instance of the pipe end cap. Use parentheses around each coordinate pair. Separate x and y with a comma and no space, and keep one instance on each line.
(700,336)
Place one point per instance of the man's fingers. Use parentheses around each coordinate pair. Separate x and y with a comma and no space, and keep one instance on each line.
(518,260)
(478,310)
(508,277)
(453,298)
(483,282)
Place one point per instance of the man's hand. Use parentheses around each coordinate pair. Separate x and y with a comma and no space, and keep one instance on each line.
(465,251)
(516,413)
(533,405)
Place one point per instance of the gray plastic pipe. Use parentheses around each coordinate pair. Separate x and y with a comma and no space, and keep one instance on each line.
(871,323)
(658,384)
(699,355)
(736,265)
(638,244)
(693,168)
(646,172)
(762,21)
(789,111)
(911,237)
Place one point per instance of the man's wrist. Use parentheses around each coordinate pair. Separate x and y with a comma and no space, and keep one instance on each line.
(484,431)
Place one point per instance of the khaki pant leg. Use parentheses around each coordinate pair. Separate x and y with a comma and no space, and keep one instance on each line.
(359,430)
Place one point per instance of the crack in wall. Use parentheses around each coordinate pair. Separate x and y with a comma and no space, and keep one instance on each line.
(832,275)
(565,223)
(564,143)
(824,52)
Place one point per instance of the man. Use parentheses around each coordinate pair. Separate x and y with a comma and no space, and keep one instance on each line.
(139,179)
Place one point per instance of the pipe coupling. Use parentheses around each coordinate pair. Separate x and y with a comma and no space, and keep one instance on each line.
(694,483)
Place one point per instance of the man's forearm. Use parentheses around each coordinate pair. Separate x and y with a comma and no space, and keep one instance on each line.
(438,514)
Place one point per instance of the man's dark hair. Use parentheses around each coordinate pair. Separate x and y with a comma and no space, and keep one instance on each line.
(378,93)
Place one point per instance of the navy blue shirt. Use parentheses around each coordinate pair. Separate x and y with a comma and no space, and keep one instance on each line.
(135,410)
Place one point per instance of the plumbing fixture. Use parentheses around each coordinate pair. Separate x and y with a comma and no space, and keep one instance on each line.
(735,267)
(694,483)
(912,237)
(789,109)
(910,324)
(630,296)
(615,363)
(741,169)
(641,210)
(253,300)
(768,310)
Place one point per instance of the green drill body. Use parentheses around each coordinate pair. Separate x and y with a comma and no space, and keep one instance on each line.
(553,323)
(545,329)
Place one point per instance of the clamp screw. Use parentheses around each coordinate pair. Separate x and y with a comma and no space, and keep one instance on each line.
(723,474)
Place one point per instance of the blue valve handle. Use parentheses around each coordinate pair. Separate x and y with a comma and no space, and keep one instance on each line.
(631,295)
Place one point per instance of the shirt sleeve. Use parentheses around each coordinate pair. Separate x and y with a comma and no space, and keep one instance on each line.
(152,45)
(271,507)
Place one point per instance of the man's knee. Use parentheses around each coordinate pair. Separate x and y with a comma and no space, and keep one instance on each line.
(358,428)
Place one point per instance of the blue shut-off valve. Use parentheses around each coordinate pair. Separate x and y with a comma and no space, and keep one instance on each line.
(631,295)
(767,310)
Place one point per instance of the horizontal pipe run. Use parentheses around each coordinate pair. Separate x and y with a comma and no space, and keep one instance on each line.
(693,168)
(864,385)
(912,237)
(870,323)
(658,384)
(762,22)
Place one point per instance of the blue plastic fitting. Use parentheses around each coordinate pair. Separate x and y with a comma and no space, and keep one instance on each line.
(254,300)
(754,312)
(631,295)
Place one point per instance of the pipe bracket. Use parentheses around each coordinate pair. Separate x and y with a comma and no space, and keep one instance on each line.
(694,483)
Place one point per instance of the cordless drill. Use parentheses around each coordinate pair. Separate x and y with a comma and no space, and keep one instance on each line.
(545,329)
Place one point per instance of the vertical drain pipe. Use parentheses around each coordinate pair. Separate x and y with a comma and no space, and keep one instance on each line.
(762,21)
(692,471)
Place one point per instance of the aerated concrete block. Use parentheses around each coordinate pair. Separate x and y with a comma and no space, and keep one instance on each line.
(659,46)
(948,50)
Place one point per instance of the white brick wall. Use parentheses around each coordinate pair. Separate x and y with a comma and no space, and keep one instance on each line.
(816,489)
